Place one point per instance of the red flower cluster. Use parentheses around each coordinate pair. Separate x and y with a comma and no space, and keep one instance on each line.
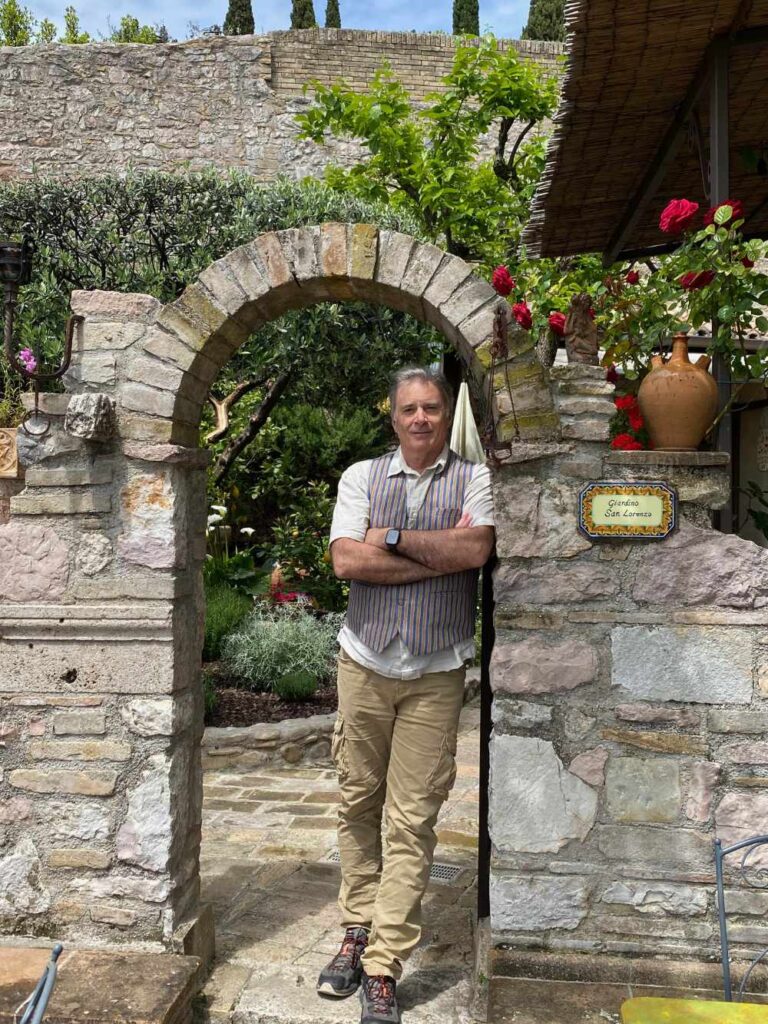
(748,263)
(503,281)
(692,281)
(628,404)
(522,314)
(556,323)
(626,443)
(737,211)
(285,596)
(677,216)
(633,276)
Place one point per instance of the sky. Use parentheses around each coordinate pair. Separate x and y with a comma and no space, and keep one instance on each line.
(505,18)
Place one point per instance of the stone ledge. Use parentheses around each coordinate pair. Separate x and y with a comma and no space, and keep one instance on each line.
(48,402)
(143,988)
(638,460)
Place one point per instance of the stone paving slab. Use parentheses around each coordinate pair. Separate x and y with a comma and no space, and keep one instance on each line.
(267,836)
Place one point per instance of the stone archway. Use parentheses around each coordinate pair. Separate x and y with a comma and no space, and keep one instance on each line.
(102,607)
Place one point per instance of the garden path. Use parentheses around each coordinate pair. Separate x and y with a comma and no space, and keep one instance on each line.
(267,837)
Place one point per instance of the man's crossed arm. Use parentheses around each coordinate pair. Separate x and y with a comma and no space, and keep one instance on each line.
(421,554)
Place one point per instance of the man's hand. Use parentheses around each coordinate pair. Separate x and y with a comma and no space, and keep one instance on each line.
(368,563)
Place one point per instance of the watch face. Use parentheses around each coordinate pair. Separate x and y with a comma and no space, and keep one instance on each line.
(392,538)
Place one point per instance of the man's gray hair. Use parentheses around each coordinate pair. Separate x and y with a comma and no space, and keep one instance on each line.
(425,374)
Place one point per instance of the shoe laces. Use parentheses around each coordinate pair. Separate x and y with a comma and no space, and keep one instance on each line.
(380,993)
(352,948)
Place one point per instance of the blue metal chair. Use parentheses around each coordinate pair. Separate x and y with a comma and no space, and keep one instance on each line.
(36,1004)
(652,1010)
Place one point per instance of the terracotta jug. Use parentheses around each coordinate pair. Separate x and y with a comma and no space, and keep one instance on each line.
(678,399)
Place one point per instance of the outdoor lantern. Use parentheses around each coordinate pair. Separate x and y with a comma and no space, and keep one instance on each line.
(16,263)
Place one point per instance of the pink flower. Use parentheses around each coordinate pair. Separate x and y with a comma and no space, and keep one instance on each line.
(737,211)
(692,281)
(633,276)
(556,323)
(522,314)
(27,360)
(677,216)
(502,280)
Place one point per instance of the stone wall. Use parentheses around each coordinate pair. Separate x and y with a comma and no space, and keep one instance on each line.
(630,705)
(226,103)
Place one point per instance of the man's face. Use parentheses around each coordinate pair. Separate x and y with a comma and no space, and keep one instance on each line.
(420,419)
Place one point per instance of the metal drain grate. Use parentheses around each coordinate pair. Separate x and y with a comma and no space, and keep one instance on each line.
(437,873)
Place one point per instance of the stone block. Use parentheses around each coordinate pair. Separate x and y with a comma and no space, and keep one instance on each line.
(703,567)
(156,374)
(449,282)
(268,252)
(536,519)
(422,266)
(703,779)
(657,898)
(145,837)
(706,665)
(301,246)
(94,553)
(537,666)
(99,473)
(222,287)
(79,723)
(662,742)
(134,887)
(550,584)
(577,373)
(742,815)
(537,903)
(394,253)
(117,916)
(87,821)
(589,766)
(683,718)
(643,790)
(333,250)
(124,305)
(745,752)
(15,809)
(55,780)
(160,717)
(21,887)
(585,429)
(670,849)
(536,806)
(108,335)
(34,564)
(61,503)
(148,507)
(149,400)
(91,417)
(79,750)
(519,714)
(585,405)
(91,371)
(738,721)
(363,249)
(147,428)
(79,858)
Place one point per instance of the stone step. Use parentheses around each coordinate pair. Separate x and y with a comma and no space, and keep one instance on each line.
(109,986)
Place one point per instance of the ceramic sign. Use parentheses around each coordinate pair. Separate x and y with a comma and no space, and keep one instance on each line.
(643,509)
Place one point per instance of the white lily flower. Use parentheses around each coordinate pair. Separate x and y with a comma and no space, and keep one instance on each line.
(214,519)
(221,509)
(247,530)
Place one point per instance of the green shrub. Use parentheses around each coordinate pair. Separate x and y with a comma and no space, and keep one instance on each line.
(299,685)
(273,643)
(225,610)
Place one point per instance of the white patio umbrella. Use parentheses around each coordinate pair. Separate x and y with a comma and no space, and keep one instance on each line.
(465,440)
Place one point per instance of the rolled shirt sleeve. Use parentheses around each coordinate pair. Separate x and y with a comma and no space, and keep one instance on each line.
(351,516)
(478,498)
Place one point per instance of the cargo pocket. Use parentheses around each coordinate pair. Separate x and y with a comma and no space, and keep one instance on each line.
(339,748)
(442,777)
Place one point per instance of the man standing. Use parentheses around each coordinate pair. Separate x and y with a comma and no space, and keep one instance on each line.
(410,530)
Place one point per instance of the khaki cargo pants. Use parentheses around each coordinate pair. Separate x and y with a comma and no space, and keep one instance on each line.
(394,747)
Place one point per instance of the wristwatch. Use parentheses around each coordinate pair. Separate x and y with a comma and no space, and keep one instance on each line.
(392,539)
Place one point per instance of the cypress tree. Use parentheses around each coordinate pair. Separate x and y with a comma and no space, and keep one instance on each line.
(239,19)
(303,14)
(545,21)
(332,14)
(466,17)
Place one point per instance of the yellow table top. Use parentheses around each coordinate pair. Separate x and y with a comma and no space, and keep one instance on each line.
(651,1010)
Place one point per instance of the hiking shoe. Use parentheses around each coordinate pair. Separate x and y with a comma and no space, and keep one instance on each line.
(378,1000)
(342,975)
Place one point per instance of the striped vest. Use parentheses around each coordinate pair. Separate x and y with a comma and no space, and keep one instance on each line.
(431,614)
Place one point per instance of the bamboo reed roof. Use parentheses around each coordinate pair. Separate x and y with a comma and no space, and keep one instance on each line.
(629,68)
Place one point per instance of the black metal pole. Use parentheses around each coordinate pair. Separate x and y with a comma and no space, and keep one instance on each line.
(488,634)
(719,185)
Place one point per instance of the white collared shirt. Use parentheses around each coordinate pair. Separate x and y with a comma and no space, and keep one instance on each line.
(351,518)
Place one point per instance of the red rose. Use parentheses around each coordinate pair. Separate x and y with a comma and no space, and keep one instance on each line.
(556,323)
(677,216)
(748,263)
(502,280)
(612,375)
(522,314)
(737,211)
(635,418)
(633,276)
(626,443)
(692,281)
(625,402)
